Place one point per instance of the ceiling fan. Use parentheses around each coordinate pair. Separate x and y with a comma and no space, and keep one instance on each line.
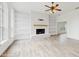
(53,8)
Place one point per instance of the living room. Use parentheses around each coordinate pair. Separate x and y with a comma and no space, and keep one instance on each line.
(44,33)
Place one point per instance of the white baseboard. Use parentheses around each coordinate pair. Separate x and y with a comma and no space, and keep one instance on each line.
(72,38)
(4,45)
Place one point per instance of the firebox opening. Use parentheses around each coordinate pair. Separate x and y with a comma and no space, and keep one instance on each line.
(40,31)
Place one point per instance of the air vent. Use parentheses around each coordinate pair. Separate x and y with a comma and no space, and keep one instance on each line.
(41,19)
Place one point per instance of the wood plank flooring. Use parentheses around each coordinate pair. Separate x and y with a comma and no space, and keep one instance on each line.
(55,46)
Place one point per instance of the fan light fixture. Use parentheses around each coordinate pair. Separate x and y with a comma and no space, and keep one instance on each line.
(54,8)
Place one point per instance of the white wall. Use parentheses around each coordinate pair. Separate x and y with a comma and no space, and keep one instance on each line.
(53,24)
(7,41)
(5,22)
(1,21)
(22,25)
(72,25)
(12,23)
(72,28)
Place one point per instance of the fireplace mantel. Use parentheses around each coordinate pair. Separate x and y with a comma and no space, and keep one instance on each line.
(40,25)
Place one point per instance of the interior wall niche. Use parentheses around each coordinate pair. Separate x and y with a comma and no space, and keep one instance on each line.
(61,27)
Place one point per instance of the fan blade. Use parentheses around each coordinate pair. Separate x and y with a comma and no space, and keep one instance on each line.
(58,9)
(47,6)
(52,3)
(48,10)
(57,5)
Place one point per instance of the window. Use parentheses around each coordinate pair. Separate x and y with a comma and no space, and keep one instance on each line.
(0,22)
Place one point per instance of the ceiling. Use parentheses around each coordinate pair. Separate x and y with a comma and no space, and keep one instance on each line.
(39,6)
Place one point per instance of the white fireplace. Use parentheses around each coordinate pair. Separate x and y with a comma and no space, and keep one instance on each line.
(40,24)
(40,31)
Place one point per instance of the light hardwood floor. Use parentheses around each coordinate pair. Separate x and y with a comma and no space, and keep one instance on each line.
(55,46)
